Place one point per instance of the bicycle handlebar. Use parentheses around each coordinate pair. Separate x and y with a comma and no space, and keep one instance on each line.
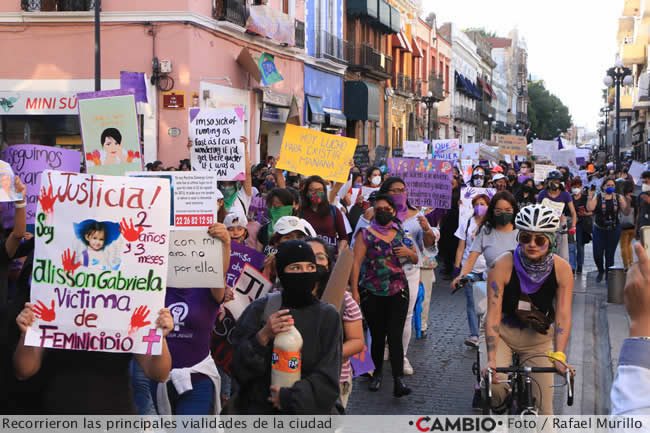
(526,370)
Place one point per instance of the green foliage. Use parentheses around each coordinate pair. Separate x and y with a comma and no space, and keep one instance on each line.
(484,33)
(546,112)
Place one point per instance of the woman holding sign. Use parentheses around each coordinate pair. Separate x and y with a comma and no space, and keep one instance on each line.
(324,217)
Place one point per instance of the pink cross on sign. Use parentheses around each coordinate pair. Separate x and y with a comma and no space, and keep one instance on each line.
(151,338)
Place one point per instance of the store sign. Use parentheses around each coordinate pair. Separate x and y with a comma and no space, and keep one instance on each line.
(43,103)
(174,100)
(275,114)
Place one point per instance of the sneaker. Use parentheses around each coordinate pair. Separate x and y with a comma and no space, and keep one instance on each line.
(386,353)
(408,368)
(471,341)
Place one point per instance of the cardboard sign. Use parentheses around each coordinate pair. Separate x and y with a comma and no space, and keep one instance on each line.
(514,145)
(448,150)
(361,156)
(489,153)
(428,181)
(240,256)
(193,200)
(414,149)
(110,132)
(100,263)
(215,135)
(541,171)
(544,147)
(195,260)
(467,194)
(310,152)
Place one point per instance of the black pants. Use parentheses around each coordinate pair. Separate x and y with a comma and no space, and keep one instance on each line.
(385,316)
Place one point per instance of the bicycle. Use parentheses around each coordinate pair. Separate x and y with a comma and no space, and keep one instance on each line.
(520,400)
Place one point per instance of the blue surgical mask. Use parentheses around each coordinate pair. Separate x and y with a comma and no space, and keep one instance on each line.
(610,190)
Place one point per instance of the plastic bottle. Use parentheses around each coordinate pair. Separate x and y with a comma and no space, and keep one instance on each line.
(286,361)
(408,243)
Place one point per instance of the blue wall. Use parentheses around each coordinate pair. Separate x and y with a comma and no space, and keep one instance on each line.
(328,86)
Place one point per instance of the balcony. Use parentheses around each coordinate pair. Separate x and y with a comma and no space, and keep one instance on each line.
(625,29)
(417,87)
(437,86)
(466,115)
(403,84)
(57,5)
(364,58)
(634,54)
(300,34)
(484,108)
(363,9)
(408,87)
(233,11)
(331,47)
(631,8)
(522,117)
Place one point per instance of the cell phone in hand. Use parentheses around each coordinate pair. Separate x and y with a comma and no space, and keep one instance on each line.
(645,238)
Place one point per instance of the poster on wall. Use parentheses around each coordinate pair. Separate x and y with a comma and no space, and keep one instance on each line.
(428,181)
(100,263)
(28,162)
(110,132)
(215,135)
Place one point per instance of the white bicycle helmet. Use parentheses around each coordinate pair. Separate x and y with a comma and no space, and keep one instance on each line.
(537,218)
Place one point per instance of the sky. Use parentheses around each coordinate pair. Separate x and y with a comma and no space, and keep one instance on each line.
(571,43)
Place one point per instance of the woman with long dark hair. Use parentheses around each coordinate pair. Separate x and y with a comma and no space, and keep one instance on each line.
(449,224)
(325,218)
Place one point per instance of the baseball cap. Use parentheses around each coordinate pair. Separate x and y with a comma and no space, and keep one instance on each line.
(497,169)
(498,176)
(235,219)
(219,194)
(288,224)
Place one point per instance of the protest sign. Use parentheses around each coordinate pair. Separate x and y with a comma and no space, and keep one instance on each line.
(555,206)
(636,170)
(134,81)
(414,149)
(241,255)
(250,286)
(467,170)
(489,153)
(7,184)
(381,155)
(361,156)
(582,155)
(542,170)
(565,158)
(193,200)
(366,191)
(354,194)
(514,145)
(544,147)
(110,132)
(428,181)
(448,150)
(467,194)
(195,260)
(215,134)
(584,177)
(397,152)
(29,161)
(470,151)
(100,263)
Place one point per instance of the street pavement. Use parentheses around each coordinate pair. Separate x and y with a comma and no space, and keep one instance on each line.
(443,381)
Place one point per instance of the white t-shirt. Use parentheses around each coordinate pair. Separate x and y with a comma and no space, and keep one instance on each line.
(468,235)
(241,203)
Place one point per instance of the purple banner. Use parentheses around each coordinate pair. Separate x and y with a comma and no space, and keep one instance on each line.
(239,256)
(428,181)
(28,162)
(134,81)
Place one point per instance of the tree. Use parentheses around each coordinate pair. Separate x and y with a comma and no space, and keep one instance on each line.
(547,114)
(484,33)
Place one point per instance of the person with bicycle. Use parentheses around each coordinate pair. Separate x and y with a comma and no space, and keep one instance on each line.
(529,290)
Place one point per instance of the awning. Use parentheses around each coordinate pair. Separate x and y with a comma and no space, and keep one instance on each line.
(275,114)
(406,41)
(473,89)
(417,51)
(315,109)
(336,120)
(361,101)
(486,89)
(401,41)
(492,94)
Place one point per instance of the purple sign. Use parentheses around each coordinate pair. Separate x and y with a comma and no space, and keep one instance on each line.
(135,81)
(428,181)
(239,256)
(28,162)
(362,362)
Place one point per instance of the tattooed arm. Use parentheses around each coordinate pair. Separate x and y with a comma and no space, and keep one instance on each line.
(498,277)
(564,297)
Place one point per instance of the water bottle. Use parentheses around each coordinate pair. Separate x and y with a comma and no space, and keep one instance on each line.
(405,261)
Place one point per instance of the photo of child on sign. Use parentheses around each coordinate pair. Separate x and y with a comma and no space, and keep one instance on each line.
(7,185)
(99,244)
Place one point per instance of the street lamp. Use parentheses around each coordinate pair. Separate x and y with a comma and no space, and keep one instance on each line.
(489,123)
(606,110)
(429,103)
(615,77)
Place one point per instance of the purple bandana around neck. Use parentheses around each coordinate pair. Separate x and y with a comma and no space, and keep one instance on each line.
(383,230)
(532,274)
(400,204)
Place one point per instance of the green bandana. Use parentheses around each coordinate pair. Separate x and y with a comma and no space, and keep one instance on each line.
(229,195)
(276,213)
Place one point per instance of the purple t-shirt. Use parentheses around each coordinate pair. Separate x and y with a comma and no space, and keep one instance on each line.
(194,312)
(564,197)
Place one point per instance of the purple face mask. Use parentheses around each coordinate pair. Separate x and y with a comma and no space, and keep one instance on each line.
(479,210)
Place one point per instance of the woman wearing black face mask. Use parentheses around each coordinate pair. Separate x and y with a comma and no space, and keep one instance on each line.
(557,198)
(526,194)
(320,357)
(350,313)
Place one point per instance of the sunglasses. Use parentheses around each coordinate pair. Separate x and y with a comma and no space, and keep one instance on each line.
(525,238)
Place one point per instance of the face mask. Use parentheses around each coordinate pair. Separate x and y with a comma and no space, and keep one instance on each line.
(528,189)
(228,190)
(297,289)
(477,182)
(278,212)
(480,210)
(524,170)
(645,187)
(376,180)
(610,190)
(512,177)
(269,185)
(316,198)
(576,191)
(503,219)
(554,186)
(292,179)
(322,277)
(383,218)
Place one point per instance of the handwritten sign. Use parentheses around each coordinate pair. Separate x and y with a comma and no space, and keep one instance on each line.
(100,263)
(467,194)
(544,147)
(584,177)
(240,256)
(565,158)
(361,156)
(428,181)
(215,135)
(110,132)
(414,149)
(381,154)
(193,201)
(514,145)
(636,170)
(195,260)
(470,151)
(556,206)
(467,169)
(29,161)
(366,191)
(310,152)
(446,149)
(541,171)
(489,153)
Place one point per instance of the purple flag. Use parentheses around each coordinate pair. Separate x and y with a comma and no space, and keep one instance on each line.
(134,81)
(560,146)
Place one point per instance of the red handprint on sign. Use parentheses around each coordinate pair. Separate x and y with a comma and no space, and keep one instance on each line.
(95,157)
(130,232)
(138,319)
(47,200)
(44,313)
(131,155)
(361,356)
(68,260)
